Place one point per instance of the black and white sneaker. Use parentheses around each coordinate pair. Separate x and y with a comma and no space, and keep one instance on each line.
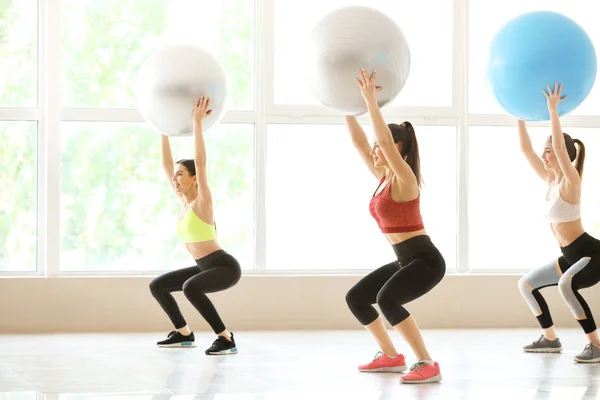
(176,339)
(222,346)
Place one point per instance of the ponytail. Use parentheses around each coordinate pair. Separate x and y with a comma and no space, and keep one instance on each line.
(580,158)
(405,133)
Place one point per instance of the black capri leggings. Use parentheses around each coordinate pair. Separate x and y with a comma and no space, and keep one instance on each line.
(418,269)
(215,272)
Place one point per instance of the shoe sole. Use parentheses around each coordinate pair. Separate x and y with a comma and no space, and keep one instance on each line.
(385,369)
(222,352)
(544,350)
(582,361)
(182,344)
(433,379)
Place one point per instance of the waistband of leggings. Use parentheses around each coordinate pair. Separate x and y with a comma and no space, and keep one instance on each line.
(414,246)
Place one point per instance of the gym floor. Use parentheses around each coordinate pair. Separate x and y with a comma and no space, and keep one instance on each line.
(476,364)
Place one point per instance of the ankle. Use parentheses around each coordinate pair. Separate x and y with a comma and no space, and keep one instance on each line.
(185,331)
(550,334)
(226,335)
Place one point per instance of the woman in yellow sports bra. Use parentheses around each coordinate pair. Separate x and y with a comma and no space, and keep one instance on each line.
(215,269)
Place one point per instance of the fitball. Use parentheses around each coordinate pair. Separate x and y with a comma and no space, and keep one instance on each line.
(169,81)
(351,38)
(536,49)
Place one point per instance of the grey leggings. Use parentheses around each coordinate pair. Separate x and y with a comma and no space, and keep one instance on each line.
(577,268)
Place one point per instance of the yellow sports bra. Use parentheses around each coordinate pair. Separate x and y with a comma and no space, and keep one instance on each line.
(192,229)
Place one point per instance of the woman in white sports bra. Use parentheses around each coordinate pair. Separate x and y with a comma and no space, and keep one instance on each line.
(579,266)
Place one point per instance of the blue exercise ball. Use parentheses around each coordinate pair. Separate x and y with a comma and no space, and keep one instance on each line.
(536,49)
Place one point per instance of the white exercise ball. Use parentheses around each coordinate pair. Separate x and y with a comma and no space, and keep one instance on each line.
(351,38)
(171,79)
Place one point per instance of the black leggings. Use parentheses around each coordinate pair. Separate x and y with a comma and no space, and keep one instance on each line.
(577,268)
(418,269)
(213,273)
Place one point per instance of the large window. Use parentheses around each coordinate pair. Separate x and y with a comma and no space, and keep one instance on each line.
(487,17)
(104,43)
(427,25)
(291,194)
(118,211)
(318,193)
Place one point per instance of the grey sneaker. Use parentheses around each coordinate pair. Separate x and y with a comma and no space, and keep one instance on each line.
(591,354)
(543,345)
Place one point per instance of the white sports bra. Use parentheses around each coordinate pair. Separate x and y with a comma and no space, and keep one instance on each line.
(558,210)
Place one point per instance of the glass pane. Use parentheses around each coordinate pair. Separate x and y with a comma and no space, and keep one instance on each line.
(18,199)
(429,36)
(507,227)
(318,193)
(105,42)
(17,395)
(487,17)
(118,212)
(18,53)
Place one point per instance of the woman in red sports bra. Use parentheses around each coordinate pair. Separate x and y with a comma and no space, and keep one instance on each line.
(419,267)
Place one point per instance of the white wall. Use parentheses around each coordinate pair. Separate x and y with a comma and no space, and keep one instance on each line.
(261,303)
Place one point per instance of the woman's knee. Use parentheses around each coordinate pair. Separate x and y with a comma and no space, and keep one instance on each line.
(192,285)
(353,296)
(156,286)
(387,298)
(565,287)
(524,287)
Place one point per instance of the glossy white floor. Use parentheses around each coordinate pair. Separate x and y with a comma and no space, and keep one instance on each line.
(476,364)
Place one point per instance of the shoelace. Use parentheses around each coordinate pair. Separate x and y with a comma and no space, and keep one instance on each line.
(220,339)
(418,367)
(539,340)
(378,355)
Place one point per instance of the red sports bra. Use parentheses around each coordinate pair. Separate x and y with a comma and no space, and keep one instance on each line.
(394,217)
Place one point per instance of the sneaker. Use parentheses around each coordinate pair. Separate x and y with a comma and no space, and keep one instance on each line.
(591,354)
(422,372)
(222,346)
(176,339)
(543,345)
(383,363)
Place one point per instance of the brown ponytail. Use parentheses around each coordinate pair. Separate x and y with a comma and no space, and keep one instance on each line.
(580,158)
(405,134)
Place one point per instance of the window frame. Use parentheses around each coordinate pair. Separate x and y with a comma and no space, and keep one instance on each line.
(49,115)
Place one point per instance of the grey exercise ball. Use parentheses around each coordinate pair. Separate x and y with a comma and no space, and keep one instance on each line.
(171,79)
(351,38)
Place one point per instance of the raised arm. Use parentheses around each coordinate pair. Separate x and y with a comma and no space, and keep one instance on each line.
(201,111)
(383,135)
(167,158)
(527,149)
(558,139)
(361,143)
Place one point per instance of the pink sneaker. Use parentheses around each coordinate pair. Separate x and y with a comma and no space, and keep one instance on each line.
(422,372)
(383,363)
